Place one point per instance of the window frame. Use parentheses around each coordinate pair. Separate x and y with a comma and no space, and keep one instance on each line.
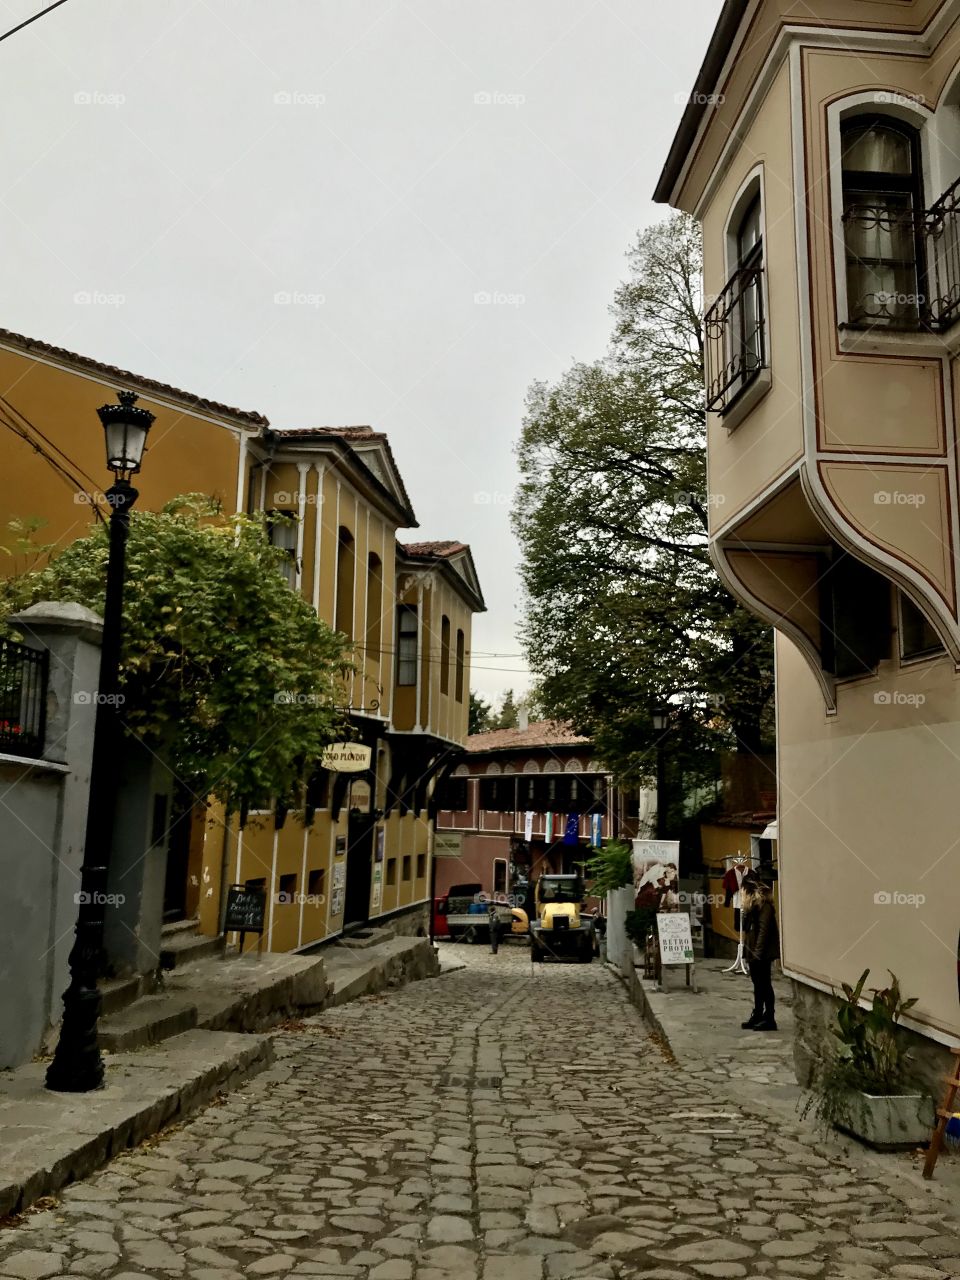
(289,567)
(404,661)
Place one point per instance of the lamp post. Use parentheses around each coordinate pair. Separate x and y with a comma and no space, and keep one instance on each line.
(661,723)
(77,1065)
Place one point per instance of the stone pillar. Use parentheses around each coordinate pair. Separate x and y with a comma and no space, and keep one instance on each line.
(42,877)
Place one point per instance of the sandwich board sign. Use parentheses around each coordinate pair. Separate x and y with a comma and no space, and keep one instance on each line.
(676,940)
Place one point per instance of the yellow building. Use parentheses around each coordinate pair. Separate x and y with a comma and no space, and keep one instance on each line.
(820,150)
(362,849)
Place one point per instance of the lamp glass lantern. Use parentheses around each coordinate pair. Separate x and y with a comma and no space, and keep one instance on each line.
(125,428)
(661,718)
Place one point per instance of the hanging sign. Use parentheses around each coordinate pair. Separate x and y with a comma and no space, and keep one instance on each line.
(676,942)
(346,757)
(528,826)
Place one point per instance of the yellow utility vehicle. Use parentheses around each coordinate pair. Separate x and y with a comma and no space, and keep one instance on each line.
(560,927)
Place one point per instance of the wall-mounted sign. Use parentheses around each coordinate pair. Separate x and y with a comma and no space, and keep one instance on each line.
(346,757)
(381,834)
(448,844)
(341,846)
(377,889)
(361,797)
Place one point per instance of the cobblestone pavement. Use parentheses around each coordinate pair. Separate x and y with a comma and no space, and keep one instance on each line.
(504,1122)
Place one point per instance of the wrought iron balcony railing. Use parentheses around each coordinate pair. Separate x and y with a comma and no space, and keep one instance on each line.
(735,350)
(23,699)
(903,268)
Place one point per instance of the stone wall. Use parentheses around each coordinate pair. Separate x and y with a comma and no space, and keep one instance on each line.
(815,1015)
(410,922)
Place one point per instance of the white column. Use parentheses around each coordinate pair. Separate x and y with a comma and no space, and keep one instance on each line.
(318,540)
(302,469)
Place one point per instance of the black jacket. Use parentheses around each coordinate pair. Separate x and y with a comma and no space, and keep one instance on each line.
(761,933)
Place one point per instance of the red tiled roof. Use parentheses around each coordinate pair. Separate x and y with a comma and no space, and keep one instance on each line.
(542,733)
(29,345)
(432,550)
(344,433)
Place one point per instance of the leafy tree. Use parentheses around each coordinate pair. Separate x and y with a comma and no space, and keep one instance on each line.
(624,608)
(226,672)
(508,717)
(479,715)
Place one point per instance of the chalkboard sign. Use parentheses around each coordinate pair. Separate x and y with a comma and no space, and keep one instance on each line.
(246,909)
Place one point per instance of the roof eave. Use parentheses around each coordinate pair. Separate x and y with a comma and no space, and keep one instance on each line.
(724,34)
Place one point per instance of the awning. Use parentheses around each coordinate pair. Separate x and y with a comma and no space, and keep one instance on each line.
(769,832)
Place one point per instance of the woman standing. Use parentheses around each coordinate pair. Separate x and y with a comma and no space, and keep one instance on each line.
(761,937)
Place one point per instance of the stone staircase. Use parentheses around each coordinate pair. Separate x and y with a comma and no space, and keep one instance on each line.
(182,943)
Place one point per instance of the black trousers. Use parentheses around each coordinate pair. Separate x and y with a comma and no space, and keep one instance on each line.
(762,979)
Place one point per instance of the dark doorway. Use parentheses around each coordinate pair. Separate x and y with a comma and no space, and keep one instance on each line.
(356,907)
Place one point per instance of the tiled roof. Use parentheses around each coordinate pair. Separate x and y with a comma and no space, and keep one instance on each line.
(34,345)
(433,550)
(353,436)
(344,433)
(542,733)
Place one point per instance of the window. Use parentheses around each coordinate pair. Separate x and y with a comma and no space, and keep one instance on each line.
(421,866)
(855,617)
(918,638)
(287,895)
(499,875)
(391,871)
(374,607)
(316,883)
(282,531)
(452,795)
(883,221)
(734,326)
(346,559)
(407,644)
(445,654)
(461,651)
(407,863)
(497,795)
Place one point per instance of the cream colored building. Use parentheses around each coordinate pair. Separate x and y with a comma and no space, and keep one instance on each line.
(820,150)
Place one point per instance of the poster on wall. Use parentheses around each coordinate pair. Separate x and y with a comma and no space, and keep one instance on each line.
(377,888)
(336,902)
(381,833)
(339,876)
(448,844)
(656,874)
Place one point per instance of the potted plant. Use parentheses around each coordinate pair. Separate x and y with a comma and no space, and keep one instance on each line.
(864,1089)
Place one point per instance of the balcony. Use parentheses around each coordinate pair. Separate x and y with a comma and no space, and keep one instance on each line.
(903,269)
(735,342)
(23,699)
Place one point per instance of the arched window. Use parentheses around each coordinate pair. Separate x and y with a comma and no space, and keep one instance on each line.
(374,606)
(346,557)
(883,221)
(749,320)
(735,325)
(461,656)
(445,654)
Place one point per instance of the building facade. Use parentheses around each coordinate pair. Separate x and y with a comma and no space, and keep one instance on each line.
(820,151)
(335,502)
(524,802)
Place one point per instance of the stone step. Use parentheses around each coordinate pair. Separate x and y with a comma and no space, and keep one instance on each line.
(118,993)
(363,938)
(146,1022)
(172,927)
(178,949)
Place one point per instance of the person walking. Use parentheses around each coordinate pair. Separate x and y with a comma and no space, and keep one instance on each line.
(761,937)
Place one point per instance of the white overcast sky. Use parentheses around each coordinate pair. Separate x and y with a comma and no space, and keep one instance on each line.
(186,161)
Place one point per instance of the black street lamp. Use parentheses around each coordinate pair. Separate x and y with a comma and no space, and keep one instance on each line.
(661,723)
(77,1065)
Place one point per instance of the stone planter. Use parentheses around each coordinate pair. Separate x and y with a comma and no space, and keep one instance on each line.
(890,1123)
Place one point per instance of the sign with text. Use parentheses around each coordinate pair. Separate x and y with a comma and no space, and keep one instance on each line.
(346,757)
(448,844)
(676,941)
(246,909)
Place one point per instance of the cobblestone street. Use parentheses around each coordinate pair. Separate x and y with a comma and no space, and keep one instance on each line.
(506,1121)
